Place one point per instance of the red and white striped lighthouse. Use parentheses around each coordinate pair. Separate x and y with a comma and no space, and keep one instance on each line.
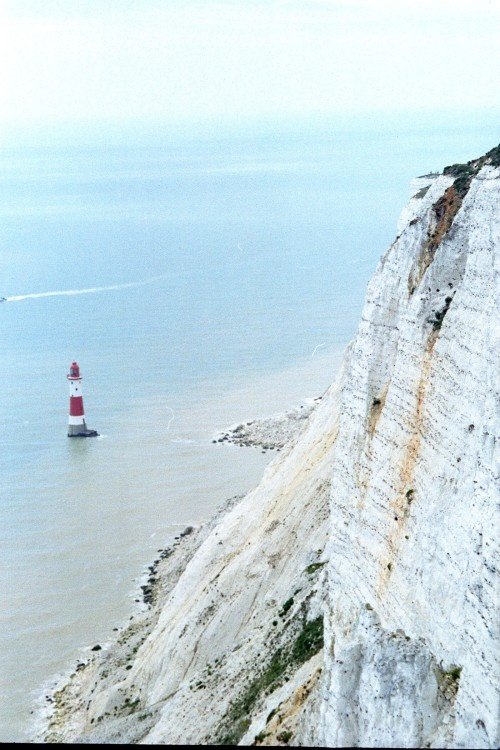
(76,422)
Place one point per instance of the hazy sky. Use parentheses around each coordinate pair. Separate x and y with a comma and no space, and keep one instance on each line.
(92,60)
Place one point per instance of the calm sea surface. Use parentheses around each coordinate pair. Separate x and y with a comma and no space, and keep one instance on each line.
(232,261)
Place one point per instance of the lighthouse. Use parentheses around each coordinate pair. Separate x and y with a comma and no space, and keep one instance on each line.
(76,421)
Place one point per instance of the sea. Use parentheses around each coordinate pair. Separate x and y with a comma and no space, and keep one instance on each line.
(200,278)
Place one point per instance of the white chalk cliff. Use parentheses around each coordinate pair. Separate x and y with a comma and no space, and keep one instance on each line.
(352,598)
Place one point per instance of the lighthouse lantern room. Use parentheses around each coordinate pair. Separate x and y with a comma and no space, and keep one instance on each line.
(77,426)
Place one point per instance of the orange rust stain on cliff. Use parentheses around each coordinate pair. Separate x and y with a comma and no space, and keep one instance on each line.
(400,506)
(364,470)
(286,718)
(445,209)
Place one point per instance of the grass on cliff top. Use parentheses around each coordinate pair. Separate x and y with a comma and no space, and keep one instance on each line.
(464,172)
(474,165)
(308,642)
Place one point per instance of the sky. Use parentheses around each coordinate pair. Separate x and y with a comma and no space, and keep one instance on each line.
(176,61)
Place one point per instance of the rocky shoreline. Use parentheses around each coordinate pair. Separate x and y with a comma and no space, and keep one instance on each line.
(269,433)
(62,716)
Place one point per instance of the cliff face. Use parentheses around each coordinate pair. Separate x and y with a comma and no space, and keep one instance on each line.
(412,629)
(350,599)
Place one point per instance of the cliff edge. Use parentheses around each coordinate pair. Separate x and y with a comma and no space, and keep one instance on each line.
(351,598)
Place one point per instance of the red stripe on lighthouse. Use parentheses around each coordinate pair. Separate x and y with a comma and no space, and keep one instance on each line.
(76,406)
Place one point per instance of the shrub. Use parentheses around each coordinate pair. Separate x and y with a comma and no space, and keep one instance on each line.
(455,673)
(449,681)
(272,713)
(307,643)
(314,567)
(494,156)
(286,606)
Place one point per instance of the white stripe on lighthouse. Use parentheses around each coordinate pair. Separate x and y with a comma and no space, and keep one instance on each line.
(76,420)
(75,387)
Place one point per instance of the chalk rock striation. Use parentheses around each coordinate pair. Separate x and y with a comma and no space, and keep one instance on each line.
(412,631)
(350,599)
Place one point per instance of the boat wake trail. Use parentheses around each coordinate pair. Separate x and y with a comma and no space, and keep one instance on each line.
(90,290)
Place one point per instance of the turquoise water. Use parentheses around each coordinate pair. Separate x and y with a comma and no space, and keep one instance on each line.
(238,256)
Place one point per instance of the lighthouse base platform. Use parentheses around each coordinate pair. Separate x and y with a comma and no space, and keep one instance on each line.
(83,433)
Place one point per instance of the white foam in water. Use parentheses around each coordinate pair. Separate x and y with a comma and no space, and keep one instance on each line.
(172,416)
(90,290)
